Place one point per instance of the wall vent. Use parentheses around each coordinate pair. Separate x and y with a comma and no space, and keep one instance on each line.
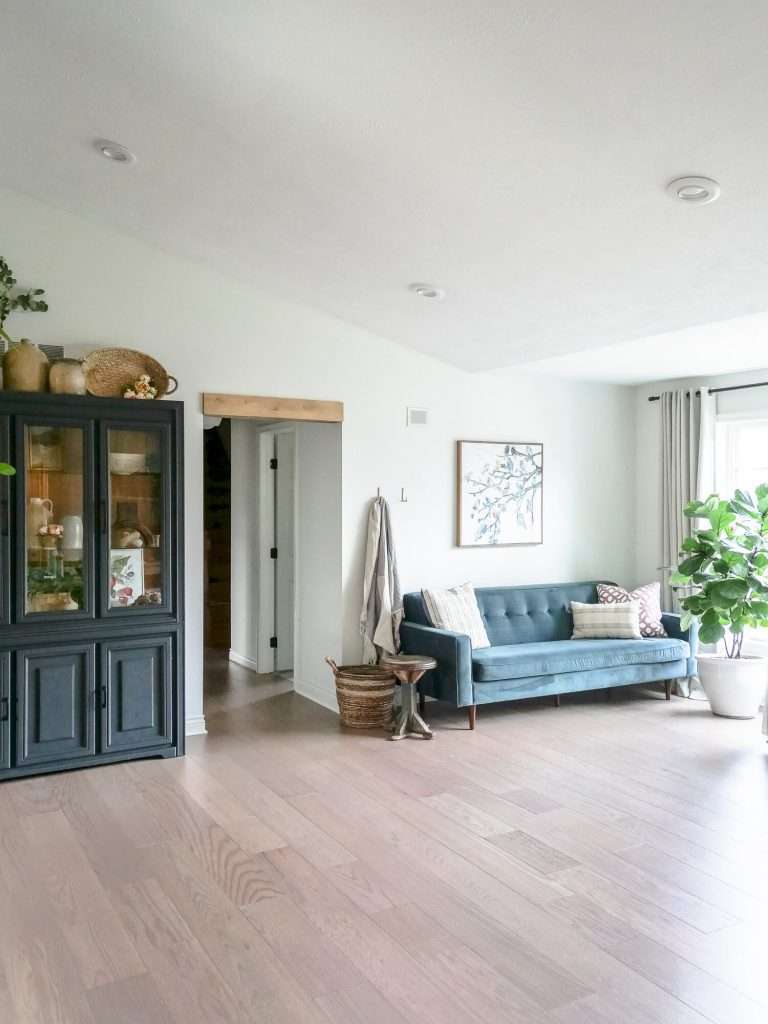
(416,417)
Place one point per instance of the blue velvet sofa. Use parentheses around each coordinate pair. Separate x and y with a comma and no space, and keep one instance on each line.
(531,652)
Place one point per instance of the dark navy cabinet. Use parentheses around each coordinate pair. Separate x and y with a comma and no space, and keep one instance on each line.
(91,582)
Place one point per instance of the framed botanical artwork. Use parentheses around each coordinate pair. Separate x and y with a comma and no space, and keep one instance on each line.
(126,572)
(500,487)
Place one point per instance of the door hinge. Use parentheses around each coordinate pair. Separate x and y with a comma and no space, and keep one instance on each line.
(273,641)
(273,463)
(273,552)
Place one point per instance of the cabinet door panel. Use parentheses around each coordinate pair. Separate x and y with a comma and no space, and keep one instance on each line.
(136,694)
(5,710)
(56,705)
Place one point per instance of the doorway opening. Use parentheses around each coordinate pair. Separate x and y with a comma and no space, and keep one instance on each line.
(272,558)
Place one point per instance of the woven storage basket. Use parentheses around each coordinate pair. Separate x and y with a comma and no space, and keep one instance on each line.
(365,694)
(110,370)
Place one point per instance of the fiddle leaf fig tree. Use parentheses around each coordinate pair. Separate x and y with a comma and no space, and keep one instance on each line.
(12,298)
(726,566)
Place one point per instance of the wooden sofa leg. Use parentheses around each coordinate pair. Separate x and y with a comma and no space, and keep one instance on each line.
(556,700)
(472,715)
(668,689)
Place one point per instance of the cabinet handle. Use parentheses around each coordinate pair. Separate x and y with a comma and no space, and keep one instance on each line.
(103,696)
(4,705)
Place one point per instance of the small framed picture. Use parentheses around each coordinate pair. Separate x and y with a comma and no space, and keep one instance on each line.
(126,576)
(500,493)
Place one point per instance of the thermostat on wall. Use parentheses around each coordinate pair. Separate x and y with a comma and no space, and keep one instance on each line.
(416,417)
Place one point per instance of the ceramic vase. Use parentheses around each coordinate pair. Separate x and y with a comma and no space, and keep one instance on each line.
(734,686)
(25,368)
(67,377)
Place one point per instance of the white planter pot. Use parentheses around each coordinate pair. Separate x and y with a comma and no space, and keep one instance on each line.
(735,687)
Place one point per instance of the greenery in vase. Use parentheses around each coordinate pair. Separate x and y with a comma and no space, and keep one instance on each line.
(6,470)
(41,581)
(11,298)
(726,564)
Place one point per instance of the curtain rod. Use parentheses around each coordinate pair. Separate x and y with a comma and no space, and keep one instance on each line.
(717,391)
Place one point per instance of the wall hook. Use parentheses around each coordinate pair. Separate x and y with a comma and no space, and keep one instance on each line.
(403,495)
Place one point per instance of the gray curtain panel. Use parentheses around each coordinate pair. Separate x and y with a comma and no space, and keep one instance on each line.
(687,461)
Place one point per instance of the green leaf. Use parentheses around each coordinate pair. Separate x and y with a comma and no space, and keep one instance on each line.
(733,588)
(691,565)
(761,492)
(685,620)
(720,516)
(711,633)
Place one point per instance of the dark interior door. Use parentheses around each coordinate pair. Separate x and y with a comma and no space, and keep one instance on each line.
(136,694)
(56,704)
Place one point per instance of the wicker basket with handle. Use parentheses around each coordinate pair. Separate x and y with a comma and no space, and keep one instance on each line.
(365,694)
(110,370)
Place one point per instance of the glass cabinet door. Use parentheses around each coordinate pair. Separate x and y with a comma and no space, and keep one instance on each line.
(138,520)
(57,477)
(5,521)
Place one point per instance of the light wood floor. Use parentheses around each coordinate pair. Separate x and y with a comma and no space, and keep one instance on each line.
(604,863)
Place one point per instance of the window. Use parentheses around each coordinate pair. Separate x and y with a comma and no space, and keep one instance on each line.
(742,455)
(742,463)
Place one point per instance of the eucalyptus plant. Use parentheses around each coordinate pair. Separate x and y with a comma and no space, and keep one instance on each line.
(11,298)
(726,565)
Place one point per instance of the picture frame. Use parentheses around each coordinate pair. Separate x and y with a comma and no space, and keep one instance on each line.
(126,576)
(499,493)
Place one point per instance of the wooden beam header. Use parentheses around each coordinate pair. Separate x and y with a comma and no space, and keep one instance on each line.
(263,407)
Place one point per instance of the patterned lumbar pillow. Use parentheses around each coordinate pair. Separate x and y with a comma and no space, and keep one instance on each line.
(456,609)
(606,621)
(649,598)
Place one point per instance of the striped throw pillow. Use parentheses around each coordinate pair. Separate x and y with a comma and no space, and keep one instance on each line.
(456,610)
(606,621)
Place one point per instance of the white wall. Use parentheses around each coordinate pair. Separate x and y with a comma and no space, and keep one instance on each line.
(319,610)
(648,544)
(222,335)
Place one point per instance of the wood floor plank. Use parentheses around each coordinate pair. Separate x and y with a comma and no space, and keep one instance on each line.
(130,1001)
(534,852)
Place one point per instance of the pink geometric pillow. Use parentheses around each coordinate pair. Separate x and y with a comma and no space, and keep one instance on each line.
(649,598)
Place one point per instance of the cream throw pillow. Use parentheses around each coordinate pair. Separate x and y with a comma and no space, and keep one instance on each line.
(456,610)
(606,621)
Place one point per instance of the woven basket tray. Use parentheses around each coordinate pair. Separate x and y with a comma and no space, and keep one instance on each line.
(110,370)
(365,694)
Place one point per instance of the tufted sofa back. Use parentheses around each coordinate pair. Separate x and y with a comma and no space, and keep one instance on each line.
(519,615)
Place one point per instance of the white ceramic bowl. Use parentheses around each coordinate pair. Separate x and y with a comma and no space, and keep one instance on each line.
(125,463)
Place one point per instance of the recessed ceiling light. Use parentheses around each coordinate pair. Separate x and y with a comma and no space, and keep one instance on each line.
(694,190)
(114,151)
(427,291)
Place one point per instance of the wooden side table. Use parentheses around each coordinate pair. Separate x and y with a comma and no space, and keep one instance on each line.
(408,670)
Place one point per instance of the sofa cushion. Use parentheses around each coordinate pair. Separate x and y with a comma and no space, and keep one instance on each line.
(517,661)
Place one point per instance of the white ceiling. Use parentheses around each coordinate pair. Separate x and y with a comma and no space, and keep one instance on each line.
(514,153)
(706,351)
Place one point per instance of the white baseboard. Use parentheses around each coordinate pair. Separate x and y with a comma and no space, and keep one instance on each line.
(240,659)
(318,694)
(195,726)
